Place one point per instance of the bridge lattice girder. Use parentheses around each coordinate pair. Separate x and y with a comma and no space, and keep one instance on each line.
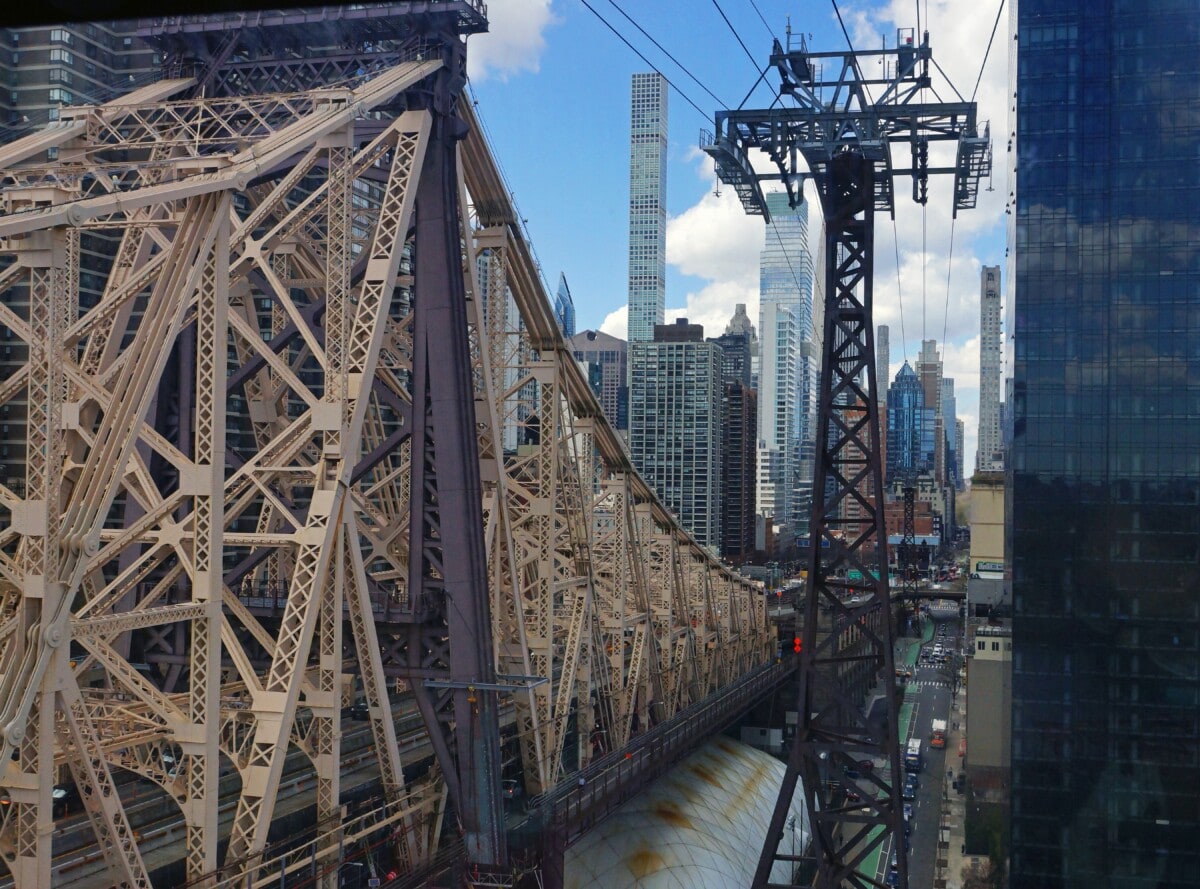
(265,272)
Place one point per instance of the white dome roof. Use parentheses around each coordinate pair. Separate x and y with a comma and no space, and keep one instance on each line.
(703,824)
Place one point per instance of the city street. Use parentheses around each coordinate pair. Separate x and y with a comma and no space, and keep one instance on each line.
(927,697)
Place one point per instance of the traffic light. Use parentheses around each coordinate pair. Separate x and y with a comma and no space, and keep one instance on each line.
(797,644)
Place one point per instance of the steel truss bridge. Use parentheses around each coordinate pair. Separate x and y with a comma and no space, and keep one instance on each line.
(308,431)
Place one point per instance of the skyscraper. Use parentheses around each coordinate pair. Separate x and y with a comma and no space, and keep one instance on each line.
(883,358)
(739,426)
(910,428)
(1105,461)
(778,422)
(989,448)
(564,308)
(788,368)
(675,424)
(647,207)
(606,358)
(950,424)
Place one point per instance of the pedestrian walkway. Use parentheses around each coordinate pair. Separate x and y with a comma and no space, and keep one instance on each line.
(929,683)
(952,834)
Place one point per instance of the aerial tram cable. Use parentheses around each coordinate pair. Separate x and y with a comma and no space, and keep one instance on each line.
(641,56)
(987,51)
(949,267)
(738,37)
(682,67)
(761,19)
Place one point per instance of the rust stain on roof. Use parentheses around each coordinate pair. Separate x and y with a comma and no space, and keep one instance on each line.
(669,812)
(704,774)
(645,862)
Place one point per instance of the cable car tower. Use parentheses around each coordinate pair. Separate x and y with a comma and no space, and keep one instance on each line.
(831,130)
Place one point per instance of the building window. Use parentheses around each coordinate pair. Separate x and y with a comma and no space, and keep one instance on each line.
(995,646)
(60,75)
(61,35)
(62,96)
(62,56)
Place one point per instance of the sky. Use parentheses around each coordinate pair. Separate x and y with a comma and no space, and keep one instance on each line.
(551,83)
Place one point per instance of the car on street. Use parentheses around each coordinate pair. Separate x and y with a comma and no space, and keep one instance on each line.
(511,791)
(64,799)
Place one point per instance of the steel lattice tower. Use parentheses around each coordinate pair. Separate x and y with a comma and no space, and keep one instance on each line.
(846,758)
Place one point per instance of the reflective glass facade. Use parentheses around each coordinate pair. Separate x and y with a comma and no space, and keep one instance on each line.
(789,368)
(910,428)
(1106,446)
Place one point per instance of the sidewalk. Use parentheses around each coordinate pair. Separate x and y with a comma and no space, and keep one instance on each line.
(952,834)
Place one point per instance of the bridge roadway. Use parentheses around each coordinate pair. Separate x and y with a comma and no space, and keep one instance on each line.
(79,864)
(554,820)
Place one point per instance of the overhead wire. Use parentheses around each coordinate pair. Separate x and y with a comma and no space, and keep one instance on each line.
(949,266)
(682,67)
(987,51)
(853,53)
(737,36)
(924,264)
(763,20)
(899,291)
(641,56)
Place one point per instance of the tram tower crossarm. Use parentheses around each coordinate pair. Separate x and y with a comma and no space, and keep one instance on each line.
(837,111)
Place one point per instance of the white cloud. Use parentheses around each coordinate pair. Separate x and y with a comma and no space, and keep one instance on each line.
(715,239)
(616,323)
(514,40)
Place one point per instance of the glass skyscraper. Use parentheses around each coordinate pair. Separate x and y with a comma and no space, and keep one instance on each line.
(647,205)
(1105,460)
(564,308)
(789,366)
(910,428)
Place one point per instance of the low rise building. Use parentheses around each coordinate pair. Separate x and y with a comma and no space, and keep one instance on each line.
(989,710)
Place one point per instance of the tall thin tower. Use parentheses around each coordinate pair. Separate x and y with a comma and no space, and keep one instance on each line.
(883,359)
(647,207)
(988,454)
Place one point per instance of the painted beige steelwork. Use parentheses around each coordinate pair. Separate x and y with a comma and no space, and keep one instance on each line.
(235,221)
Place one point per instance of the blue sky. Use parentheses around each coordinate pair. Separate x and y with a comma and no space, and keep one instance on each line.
(552,85)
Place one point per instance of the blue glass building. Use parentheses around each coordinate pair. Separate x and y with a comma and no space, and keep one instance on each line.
(564,308)
(1105,461)
(910,427)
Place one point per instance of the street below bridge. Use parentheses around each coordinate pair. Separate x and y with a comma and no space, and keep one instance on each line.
(927,696)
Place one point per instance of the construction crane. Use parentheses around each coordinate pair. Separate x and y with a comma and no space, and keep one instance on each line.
(830,130)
